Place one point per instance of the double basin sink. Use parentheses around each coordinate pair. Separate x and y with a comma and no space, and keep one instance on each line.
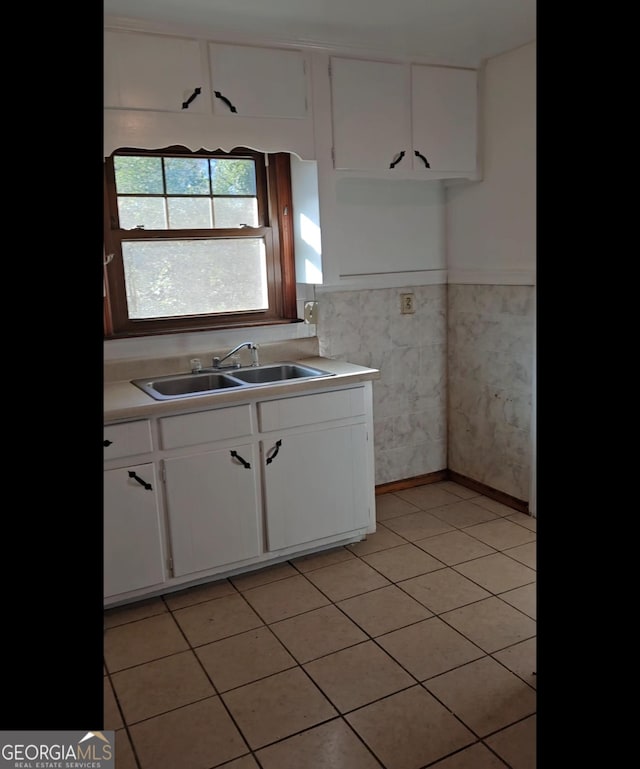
(209,381)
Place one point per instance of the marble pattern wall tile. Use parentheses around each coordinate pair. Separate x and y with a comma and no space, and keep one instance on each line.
(409,399)
(490,336)
(513,444)
(455,377)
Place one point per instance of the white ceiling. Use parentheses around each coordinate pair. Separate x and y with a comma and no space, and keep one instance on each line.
(462,32)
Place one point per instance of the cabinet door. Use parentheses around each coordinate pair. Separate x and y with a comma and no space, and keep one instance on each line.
(315,485)
(133,552)
(258,82)
(444,107)
(213,506)
(154,72)
(371,123)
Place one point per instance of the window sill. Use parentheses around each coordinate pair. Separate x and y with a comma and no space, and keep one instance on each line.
(197,329)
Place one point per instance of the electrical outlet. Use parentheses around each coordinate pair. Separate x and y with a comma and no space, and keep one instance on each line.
(407,304)
(310,312)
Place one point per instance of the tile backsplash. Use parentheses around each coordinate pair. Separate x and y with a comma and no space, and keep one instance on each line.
(366,327)
(490,365)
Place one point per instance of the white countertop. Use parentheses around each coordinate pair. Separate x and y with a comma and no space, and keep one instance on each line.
(123,400)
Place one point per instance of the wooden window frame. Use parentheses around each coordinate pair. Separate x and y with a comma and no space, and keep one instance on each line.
(275,216)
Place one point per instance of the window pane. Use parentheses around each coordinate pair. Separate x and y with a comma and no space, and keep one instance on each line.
(194,277)
(232,212)
(187,176)
(233,177)
(138,175)
(146,212)
(189,213)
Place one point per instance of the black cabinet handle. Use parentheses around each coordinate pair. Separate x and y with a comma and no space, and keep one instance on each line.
(240,459)
(147,486)
(218,95)
(422,157)
(271,457)
(197,92)
(108,442)
(397,160)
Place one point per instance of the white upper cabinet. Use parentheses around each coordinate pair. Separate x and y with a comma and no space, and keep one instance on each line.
(402,119)
(172,74)
(155,72)
(444,118)
(371,121)
(258,82)
(161,90)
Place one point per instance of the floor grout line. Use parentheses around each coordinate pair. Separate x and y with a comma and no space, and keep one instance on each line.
(368,636)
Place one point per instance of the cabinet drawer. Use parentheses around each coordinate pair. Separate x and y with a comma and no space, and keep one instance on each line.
(311,409)
(206,427)
(127,439)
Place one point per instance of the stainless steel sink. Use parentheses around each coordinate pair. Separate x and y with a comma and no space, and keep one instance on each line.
(188,385)
(277,372)
(185,385)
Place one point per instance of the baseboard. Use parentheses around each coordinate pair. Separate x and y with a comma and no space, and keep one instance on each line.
(517,504)
(450,475)
(408,483)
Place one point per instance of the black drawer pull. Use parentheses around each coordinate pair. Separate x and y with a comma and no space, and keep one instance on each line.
(108,442)
(397,160)
(240,459)
(422,157)
(147,486)
(225,100)
(197,92)
(271,457)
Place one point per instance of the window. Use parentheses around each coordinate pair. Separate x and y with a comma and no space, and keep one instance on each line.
(197,240)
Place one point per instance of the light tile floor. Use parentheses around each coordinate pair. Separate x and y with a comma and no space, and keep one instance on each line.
(415,648)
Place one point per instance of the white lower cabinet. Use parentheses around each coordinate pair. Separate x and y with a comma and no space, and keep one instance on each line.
(313,485)
(133,551)
(213,507)
(222,490)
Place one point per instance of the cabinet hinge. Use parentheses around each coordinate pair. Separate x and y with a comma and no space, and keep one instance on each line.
(163,474)
(170,565)
(329,68)
(333,155)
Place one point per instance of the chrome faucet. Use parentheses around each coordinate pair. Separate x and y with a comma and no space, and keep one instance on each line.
(254,356)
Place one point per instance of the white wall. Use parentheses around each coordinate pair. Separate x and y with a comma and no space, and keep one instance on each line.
(491,247)
(203,343)
(491,225)
(385,228)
